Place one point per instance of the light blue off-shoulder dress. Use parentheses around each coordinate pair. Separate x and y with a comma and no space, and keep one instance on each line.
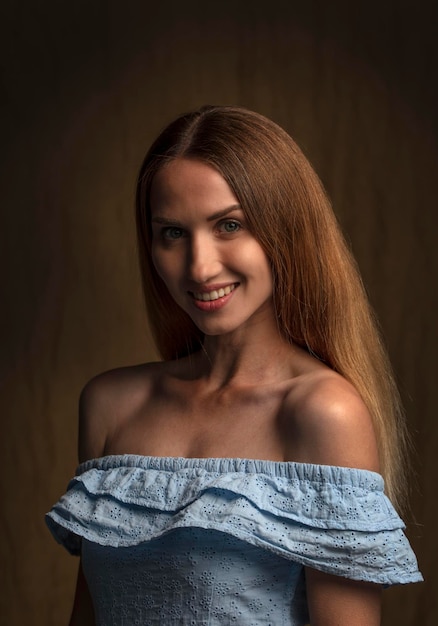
(178,541)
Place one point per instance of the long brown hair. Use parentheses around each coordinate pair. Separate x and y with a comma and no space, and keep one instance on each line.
(319,298)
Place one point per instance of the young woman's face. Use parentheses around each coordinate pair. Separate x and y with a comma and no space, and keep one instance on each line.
(203,250)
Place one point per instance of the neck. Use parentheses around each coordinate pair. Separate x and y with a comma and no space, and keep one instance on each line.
(246,356)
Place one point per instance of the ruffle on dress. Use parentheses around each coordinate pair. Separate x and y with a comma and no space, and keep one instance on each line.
(335,519)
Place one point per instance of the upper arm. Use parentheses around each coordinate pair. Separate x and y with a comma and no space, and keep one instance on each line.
(331,425)
(336,601)
(106,405)
(92,422)
(100,407)
(82,612)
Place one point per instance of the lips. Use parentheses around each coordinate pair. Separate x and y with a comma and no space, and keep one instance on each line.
(212,300)
(214,294)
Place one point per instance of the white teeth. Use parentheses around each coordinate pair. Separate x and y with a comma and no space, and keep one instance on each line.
(214,295)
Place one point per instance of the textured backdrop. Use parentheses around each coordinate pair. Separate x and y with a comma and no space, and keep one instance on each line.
(85,87)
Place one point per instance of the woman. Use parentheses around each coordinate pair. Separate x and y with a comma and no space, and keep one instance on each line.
(237,481)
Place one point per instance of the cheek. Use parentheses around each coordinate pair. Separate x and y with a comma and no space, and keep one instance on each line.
(160,264)
(254,260)
(263,272)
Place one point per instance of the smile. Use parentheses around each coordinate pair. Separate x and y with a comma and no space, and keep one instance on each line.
(215,294)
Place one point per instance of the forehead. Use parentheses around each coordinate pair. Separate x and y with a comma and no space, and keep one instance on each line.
(190,183)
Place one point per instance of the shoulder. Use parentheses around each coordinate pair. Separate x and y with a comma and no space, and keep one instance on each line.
(109,398)
(328,423)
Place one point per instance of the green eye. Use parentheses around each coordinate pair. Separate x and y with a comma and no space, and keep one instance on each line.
(172,232)
(230,226)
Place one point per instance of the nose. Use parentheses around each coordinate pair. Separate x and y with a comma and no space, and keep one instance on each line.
(203,261)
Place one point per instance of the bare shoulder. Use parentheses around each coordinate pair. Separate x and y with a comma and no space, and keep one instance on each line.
(109,398)
(329,423)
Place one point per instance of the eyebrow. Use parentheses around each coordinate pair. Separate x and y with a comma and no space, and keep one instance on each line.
(210,218)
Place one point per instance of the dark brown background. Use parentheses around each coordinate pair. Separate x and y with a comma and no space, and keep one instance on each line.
(85,87)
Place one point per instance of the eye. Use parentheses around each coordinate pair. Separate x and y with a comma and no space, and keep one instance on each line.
(172,232)
(230,226)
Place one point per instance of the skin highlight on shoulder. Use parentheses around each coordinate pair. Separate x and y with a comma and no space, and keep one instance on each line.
(329,424)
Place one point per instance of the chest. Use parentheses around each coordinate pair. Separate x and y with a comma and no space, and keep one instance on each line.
(243,424)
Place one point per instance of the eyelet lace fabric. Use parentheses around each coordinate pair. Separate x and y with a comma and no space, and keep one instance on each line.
(224,541)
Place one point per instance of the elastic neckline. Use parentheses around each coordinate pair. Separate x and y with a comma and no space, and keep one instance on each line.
(225,465)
